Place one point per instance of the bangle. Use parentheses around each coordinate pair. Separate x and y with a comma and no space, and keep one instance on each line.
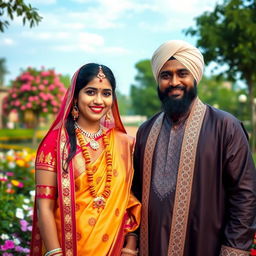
(132,234)
(129,251)
(55,252)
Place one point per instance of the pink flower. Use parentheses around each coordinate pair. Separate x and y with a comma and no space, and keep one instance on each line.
(10,174)
(45,110)
(24,225)
(25,87)
(9,244)
(29,105)
(43,104)
(14,95)
(45,73)
(17,103)
(41,87)
(45,81)
(22,107)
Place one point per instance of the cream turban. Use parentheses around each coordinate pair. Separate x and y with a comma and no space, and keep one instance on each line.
(182,51)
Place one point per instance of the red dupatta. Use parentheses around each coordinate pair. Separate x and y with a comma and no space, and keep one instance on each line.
(65,180)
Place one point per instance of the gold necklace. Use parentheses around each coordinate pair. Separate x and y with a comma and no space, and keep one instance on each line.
(99,201)
(93,143)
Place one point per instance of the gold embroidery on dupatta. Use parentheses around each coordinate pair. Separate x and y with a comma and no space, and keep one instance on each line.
(147,166)
(185,179)
(67,209)
(228,251)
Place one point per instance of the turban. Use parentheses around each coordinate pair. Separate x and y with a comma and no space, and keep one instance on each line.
(185,53)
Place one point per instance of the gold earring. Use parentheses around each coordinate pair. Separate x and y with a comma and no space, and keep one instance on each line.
(107,120)
(75,112)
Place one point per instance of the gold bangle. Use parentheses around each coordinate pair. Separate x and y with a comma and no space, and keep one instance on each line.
(129,251)
(57,251)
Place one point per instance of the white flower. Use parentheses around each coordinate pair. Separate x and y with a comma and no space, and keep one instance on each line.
(10,152)
(10,225)
(25,207)
(26,201)
(19,213)
(5,237)
(11,165)
(32,193)
(16,241)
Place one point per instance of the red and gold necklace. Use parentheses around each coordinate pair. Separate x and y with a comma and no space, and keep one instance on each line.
(99,201)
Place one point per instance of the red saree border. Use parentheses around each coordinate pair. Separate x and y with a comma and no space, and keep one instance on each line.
(229,251)
(185,179)
(66,200)
(147,167)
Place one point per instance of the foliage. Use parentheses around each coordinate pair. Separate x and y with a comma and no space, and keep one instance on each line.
(16,200)
(227,35)
(144,94)
(219,93)
(11,8)
(65,79)
(3,71)
(37,91)
(124,103)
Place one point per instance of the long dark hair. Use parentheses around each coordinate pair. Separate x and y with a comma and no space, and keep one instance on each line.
(86,74)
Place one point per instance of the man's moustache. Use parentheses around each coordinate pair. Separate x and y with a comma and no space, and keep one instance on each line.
(171,87)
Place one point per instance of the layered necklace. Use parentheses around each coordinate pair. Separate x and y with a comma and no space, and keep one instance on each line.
(93,143)
(99,201)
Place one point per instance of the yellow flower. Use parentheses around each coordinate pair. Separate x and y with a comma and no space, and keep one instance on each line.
(9,158)
(20,162)
(15,183)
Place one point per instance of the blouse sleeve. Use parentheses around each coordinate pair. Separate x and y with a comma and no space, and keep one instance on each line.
(46,154)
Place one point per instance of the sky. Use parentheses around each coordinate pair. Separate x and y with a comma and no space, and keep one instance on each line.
(116,33)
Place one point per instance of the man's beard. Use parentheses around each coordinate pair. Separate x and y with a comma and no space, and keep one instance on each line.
(175,108)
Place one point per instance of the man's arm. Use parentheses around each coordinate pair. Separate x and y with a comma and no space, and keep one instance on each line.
(240,185)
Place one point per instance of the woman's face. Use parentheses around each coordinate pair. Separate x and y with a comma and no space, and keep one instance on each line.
(95,100)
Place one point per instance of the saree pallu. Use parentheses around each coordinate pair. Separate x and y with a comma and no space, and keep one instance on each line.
(98,233)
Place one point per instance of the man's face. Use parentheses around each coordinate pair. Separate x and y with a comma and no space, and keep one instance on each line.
(174,78)
(177,88)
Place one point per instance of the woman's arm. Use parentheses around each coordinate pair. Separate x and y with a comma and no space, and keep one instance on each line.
(45,210)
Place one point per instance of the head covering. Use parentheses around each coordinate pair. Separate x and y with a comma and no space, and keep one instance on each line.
(185,53)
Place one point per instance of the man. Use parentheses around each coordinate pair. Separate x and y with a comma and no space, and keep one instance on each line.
(193,168)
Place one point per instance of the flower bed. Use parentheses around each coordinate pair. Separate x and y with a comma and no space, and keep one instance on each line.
(16,201)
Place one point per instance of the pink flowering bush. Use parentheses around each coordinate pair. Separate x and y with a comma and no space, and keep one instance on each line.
(16,201)
(39,91)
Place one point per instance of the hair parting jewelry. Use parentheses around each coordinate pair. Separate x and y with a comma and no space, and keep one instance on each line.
(75,112)
(99,200)
(100,74)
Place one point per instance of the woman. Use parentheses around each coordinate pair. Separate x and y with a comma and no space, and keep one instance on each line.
(83,174)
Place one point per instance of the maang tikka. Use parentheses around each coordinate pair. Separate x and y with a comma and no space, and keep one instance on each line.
(100,74)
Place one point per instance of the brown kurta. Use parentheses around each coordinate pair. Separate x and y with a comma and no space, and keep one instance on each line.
(223,199)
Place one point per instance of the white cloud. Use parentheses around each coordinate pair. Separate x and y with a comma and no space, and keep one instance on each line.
(7,41)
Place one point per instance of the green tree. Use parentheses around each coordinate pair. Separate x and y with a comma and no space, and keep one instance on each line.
(124,103)
(144,93)
(3,71)
(220,93)
(227,35)
(11,8)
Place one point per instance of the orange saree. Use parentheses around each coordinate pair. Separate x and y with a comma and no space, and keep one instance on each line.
(82,229)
